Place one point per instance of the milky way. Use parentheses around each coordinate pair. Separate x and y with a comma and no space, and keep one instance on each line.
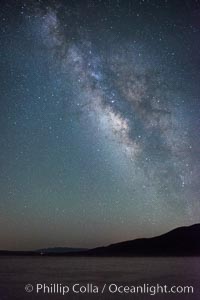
(116,105)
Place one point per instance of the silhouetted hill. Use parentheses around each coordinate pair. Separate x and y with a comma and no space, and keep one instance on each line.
(58,250)
(182,241)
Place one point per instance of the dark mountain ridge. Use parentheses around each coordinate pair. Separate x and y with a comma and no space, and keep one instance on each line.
(60,250)
(182,241)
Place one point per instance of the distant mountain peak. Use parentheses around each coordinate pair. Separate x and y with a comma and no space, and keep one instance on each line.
(181,241)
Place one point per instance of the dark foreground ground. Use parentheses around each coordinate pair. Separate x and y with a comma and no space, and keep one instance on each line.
(17,272)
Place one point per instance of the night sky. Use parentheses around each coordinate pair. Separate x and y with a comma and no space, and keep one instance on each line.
(99,120)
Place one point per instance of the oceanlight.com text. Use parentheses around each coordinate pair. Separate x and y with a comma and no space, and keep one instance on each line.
(111,288)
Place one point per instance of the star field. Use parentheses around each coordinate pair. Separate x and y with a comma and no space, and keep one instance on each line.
(99,121)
